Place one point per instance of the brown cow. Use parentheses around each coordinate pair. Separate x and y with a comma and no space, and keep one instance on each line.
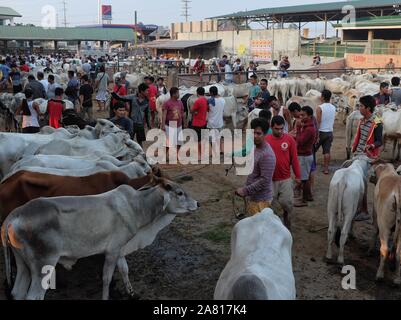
(25,186)
(386,215)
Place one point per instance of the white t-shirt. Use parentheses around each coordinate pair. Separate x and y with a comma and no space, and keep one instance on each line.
(51,91)
(229,76)
(45,84)
(32,120)
(215,117)
(328,117)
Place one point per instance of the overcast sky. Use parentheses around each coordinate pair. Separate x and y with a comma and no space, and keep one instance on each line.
(160,12)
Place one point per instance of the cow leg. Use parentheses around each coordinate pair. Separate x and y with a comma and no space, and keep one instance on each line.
(124,271)
(397,279)
(36,290)
(348,153)
(395,143)
(383,254)
(23,279)
(344,234)
(110,263)
(372,247)
(234,119)
(331,233)
(399,149)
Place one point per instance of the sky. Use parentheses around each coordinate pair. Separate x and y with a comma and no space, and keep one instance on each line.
(159,12)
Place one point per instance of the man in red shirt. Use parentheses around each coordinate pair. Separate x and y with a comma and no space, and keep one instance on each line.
(153,92)
(285,149)
(199,115)
(55,108)
(24,67)
(306,139)
(119,89)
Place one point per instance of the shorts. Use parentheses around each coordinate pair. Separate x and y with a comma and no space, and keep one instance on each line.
(325,141)
(198,131)
(255,207)
(283,193)
(139,133)
(306,163)
(174,136)
(31,130)
(101,96)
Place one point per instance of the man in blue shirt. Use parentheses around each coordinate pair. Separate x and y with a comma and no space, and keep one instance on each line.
(5,71)
(254,90)
(121,120)
(265,94)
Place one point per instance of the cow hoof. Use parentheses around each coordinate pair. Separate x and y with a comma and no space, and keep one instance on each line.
(134,296)
(329,260)
(397,282)
(379,279)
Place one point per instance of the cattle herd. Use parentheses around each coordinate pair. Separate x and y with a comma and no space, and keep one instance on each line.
(70,193)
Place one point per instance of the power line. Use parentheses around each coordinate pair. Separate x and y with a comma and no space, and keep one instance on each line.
(185,9)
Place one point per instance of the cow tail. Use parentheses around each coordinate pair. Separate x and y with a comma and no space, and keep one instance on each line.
(340,213)
(7,255)
(397,219)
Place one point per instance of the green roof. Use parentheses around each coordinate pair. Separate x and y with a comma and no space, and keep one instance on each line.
(66,34)
(312,8)
(8,12)
(373,22)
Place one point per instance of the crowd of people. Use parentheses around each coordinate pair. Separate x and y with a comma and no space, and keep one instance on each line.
(285,142)
(232,70)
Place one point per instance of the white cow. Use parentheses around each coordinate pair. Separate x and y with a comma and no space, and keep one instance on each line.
(350,131)
(260,267)
(346,191)
(392,129)
(116,216)
(134,79)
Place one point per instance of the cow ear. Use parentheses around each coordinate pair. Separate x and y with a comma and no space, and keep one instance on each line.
(167,200)
(167,186)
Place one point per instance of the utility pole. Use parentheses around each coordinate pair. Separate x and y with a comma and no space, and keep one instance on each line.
(65,12)
(99,12)
(185,9)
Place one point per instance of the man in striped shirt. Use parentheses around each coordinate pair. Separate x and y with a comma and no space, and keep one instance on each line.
(368,140)
(259,185)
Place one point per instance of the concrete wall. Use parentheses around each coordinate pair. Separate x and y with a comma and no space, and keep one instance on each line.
(285,41)
(371,60)
(193,26)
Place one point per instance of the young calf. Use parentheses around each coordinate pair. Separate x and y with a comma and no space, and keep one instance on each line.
(48,231)
(346,192)
(387,214)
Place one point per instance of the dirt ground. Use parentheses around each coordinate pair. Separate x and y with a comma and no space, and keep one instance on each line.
(187,257)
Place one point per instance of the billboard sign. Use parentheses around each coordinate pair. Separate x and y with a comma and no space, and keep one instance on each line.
(261,50)
(106,12)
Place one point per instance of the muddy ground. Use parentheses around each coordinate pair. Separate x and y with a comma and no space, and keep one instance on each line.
(187,257)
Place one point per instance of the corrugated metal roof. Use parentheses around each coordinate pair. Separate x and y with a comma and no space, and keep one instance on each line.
(65,34)
(312,8)
(177,44)
(373,22)
(8,12)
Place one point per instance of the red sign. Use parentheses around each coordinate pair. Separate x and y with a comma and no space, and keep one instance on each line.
(106,12)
